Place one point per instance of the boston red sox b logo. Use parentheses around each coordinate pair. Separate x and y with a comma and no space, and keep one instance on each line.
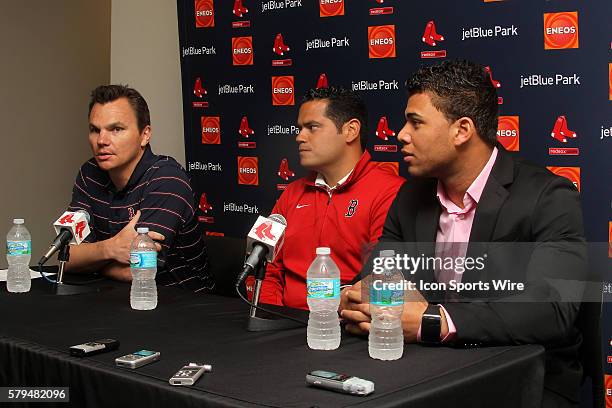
(352,208)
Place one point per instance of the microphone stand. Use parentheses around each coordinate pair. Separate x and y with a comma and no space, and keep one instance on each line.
(256,323)
(260,274)
(62,288)
(62,257)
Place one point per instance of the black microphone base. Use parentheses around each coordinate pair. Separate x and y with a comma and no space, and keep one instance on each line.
(257,324)
(63,289)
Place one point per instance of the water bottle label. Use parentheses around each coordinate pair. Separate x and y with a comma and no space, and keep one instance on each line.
(144,259)
(15,248)
(323,288)
(386,297)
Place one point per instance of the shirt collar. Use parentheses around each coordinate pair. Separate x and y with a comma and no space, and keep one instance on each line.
(474,191)
(320,181)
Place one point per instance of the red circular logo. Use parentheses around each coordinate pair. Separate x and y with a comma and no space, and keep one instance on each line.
(248,172)
(508,133)
(211,130)
(283,90)
(381,41)
(561,30)
(570,173)
(204,13)
(242,50)
(330,8)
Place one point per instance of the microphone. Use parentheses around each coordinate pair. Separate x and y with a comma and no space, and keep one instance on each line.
(264,240)
(71,228)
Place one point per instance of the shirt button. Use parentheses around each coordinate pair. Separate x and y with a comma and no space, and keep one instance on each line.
(461,216)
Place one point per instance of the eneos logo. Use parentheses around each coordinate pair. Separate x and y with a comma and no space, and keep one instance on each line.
(570,173)
(248,171)
(283,90)
(330,8)
(508,132)
(608,385)
(204,13)
(211,130)
(391,167)
(560,30)
(610,80)
(242,50)
(610,240)
(381,41)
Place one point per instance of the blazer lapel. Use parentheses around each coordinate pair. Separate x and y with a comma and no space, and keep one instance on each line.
(493,197)
(426,225)
(427,219)
(491,201)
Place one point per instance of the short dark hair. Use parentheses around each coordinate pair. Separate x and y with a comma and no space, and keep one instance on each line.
(342,106)
(460,88)
(109,93)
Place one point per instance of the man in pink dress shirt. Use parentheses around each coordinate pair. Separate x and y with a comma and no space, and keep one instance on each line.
(466,189)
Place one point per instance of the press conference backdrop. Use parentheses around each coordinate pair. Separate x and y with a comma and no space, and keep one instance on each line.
(246,64)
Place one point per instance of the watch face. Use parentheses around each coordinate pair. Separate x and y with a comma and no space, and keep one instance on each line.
(431,325)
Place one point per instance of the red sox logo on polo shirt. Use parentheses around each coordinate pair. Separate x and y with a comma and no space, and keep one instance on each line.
(131,212)
(352,208)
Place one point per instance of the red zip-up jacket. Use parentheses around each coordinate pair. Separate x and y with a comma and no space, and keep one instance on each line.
(346,221)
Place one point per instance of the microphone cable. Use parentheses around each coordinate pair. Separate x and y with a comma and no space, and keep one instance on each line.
(54,281)
(278,314)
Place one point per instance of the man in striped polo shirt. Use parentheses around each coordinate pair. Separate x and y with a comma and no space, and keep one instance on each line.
(125,186)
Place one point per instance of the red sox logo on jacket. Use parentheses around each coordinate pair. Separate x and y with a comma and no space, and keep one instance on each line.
(352,208)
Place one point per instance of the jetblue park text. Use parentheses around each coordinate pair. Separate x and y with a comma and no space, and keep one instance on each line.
(276,5)
(375,86)
(241,208)
(199,51)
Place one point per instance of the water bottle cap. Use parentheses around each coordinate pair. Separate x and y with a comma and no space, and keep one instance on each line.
(142,230)
(323,251)
(387,252)
(18,221)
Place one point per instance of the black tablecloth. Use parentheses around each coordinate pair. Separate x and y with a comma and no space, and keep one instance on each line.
(249,369)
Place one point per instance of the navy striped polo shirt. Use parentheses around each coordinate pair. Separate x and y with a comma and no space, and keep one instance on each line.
(159,187)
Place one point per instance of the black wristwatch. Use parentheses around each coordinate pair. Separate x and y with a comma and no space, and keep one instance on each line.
(431,325)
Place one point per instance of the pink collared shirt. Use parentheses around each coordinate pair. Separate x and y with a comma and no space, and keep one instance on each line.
(454,228)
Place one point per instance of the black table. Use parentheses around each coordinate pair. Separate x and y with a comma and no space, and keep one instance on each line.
(249,369)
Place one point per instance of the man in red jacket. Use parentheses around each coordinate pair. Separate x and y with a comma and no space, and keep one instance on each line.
(342,204)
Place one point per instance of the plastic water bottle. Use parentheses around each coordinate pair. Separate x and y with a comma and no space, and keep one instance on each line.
(143,264)
(323,297)
(18,253)
(386,340)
